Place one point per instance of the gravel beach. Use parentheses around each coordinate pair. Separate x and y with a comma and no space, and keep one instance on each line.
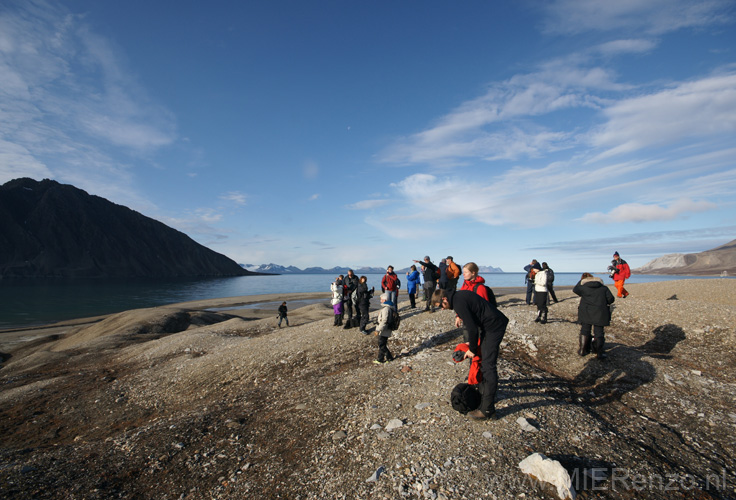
(211,400)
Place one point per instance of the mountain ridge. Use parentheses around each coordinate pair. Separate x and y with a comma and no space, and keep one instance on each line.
(272,268)
(721,259)
(48,229)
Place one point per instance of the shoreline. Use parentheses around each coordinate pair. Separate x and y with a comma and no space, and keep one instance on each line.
(13,337)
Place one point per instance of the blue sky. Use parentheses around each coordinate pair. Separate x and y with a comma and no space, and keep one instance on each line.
(339,133)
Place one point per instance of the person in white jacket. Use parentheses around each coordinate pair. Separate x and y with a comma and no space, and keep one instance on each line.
(540,293)
(383,331)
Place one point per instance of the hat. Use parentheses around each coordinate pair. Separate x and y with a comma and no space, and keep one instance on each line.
(450,257)
(426,257)
(615,254)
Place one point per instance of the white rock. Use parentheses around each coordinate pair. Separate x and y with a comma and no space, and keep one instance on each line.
(549,471)
(422,406)
(525,425)
(394,423)
(376,427)
(487,435)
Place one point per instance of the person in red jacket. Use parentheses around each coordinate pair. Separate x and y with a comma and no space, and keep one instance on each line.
(621,272)
(390,284)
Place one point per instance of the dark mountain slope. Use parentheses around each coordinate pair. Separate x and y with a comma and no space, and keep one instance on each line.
(49,229)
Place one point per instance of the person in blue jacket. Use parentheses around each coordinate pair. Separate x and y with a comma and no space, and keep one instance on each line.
(412,280)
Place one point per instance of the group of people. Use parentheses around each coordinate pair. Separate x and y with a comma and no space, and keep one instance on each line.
(476,311)
(350,295)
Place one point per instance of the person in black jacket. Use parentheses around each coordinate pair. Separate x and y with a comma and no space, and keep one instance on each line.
(283,314)
(594,312)
(485,325)
(364,303)
(431,273)
(351,283)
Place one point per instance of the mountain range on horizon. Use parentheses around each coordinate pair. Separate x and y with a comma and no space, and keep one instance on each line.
(277,269)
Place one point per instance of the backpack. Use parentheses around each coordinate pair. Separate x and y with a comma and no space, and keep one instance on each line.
(489,292)
(465,398)
(394,320)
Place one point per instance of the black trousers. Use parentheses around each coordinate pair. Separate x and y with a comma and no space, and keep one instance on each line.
(413,299)
(364,315)
(383,352)
(490,345)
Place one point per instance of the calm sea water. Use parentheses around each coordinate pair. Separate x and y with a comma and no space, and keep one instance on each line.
(35,302)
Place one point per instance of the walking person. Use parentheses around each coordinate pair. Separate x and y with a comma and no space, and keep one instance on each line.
(412,280)
(594,312)
(383,330)
(540,295)
(390,285)
(431,273)
(453,273)
(486,327)
(283,311)
(620,272)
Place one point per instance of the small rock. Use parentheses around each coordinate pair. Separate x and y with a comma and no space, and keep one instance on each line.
(697,373)
(339,436)
(487,435)
(300,406)
(376,427)
(394,424)
(525,425)
(422,406)
(405,369)
(383,435)
(376,475)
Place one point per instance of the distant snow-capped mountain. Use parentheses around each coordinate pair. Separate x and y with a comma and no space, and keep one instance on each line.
(277,269)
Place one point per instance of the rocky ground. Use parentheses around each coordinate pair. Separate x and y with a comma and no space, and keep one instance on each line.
(185,402)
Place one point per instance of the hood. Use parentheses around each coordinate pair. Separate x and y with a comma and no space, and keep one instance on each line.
(592,280)
(478,279)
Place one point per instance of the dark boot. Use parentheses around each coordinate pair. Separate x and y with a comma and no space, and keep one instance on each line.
(598,347)
(544,318)
(584,345)
(539,317)
(336,320)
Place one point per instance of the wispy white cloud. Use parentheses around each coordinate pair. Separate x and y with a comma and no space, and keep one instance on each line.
(641,212)
(626,46)
(314,197)
(652,17)
(367,204)
(69,102)
(235,197)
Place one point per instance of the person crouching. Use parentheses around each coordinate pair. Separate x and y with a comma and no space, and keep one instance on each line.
(383,331)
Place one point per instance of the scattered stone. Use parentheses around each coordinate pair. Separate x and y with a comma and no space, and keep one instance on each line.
(339,436)
(376,475)
(487,435)
(405,369)
(301,406)
(422,406)
(550,471)
(525,425)
(394,423)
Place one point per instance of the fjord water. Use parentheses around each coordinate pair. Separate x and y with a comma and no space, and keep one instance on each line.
(34,302)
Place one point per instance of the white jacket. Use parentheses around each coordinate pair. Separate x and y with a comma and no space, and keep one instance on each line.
(540,281)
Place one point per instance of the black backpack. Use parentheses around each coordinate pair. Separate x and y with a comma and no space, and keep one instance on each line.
(394,320)
(465,398)
(491,295)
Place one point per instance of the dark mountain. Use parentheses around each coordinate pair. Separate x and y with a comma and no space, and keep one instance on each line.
(49,229)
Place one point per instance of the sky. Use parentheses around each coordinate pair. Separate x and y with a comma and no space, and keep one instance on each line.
(344,133)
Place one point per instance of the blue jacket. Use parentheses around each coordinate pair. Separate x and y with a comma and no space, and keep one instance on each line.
(412,280)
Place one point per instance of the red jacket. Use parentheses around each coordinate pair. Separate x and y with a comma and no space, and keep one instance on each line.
(389,282)
(476,285)
(623,272)
(474,375)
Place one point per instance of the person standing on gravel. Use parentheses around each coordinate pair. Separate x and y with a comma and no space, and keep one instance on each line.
(383,330)
(486,325)
(364,303)
(594,312)
(412,280)
(430,280)
(351,284)
(621,272)
(453,273)
(390,284)
(540,294)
